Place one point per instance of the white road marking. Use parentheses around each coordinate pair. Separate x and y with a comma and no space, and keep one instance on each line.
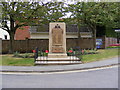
(62,72)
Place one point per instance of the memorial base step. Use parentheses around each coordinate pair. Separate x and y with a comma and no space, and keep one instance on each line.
(57,61)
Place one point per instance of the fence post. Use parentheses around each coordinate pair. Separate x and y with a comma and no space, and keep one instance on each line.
(36,54)
(0,45)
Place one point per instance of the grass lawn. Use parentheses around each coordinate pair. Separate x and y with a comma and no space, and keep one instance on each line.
(102,54)
(9,60)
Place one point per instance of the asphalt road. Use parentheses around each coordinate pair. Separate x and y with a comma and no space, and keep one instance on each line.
(106,78)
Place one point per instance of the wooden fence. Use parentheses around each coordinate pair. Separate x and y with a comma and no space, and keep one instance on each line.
(0,45)
(30,44)
(106,41)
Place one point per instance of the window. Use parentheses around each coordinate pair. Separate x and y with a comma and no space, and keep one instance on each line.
(5,36)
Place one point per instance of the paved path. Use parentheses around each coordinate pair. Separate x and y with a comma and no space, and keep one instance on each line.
(54,68)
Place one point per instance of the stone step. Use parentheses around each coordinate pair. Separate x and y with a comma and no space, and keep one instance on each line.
(69,58)
(57,62)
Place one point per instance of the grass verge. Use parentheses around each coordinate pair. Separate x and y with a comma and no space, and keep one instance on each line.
(9,60)
(102,54)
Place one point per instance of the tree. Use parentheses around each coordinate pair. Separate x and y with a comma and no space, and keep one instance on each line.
(19,14)
(93,14)
(26,14)
(54,11)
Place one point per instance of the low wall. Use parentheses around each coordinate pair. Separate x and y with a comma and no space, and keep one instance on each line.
(30,44)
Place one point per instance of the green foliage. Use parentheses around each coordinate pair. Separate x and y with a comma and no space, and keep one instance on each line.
(85,52)
(9,60)
(113,47)
(110,32)
(18,14)
(83,14)
(42,53)
(92,14)
(28,13)
(72,52)
(25,55)
(102,54)
(16,54)
(13,61)
(53,11)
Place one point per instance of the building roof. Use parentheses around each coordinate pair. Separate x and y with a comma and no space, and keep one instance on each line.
(69,28)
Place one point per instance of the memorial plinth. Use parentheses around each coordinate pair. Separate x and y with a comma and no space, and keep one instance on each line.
(57,47)
(57,40)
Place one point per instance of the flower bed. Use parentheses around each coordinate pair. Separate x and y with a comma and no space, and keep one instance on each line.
(80,52)
(43,53)
(85,52)
(114,46)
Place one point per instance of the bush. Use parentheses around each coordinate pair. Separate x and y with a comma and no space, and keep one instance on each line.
(25,55)
(85,52)
(16,54)
(70,52)
(43,53)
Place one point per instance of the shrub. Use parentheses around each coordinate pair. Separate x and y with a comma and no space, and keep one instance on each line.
(16,54)
(43,53)
(25,55)
(70,52)
(85,52)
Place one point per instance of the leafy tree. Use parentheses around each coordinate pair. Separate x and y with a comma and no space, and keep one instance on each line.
(28,13)
(54,11)
(19,14)
(92,14)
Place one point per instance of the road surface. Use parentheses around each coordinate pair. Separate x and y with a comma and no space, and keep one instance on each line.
(100,78)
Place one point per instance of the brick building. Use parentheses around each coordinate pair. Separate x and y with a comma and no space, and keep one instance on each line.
(42,32)
(22,33)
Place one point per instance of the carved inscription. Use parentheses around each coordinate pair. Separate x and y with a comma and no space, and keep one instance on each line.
(57,49)
(57,36)
(57,39)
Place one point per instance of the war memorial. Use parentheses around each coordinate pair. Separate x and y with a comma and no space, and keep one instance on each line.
(57,47)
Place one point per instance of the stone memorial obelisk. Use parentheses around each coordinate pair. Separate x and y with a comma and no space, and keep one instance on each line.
(57,40)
